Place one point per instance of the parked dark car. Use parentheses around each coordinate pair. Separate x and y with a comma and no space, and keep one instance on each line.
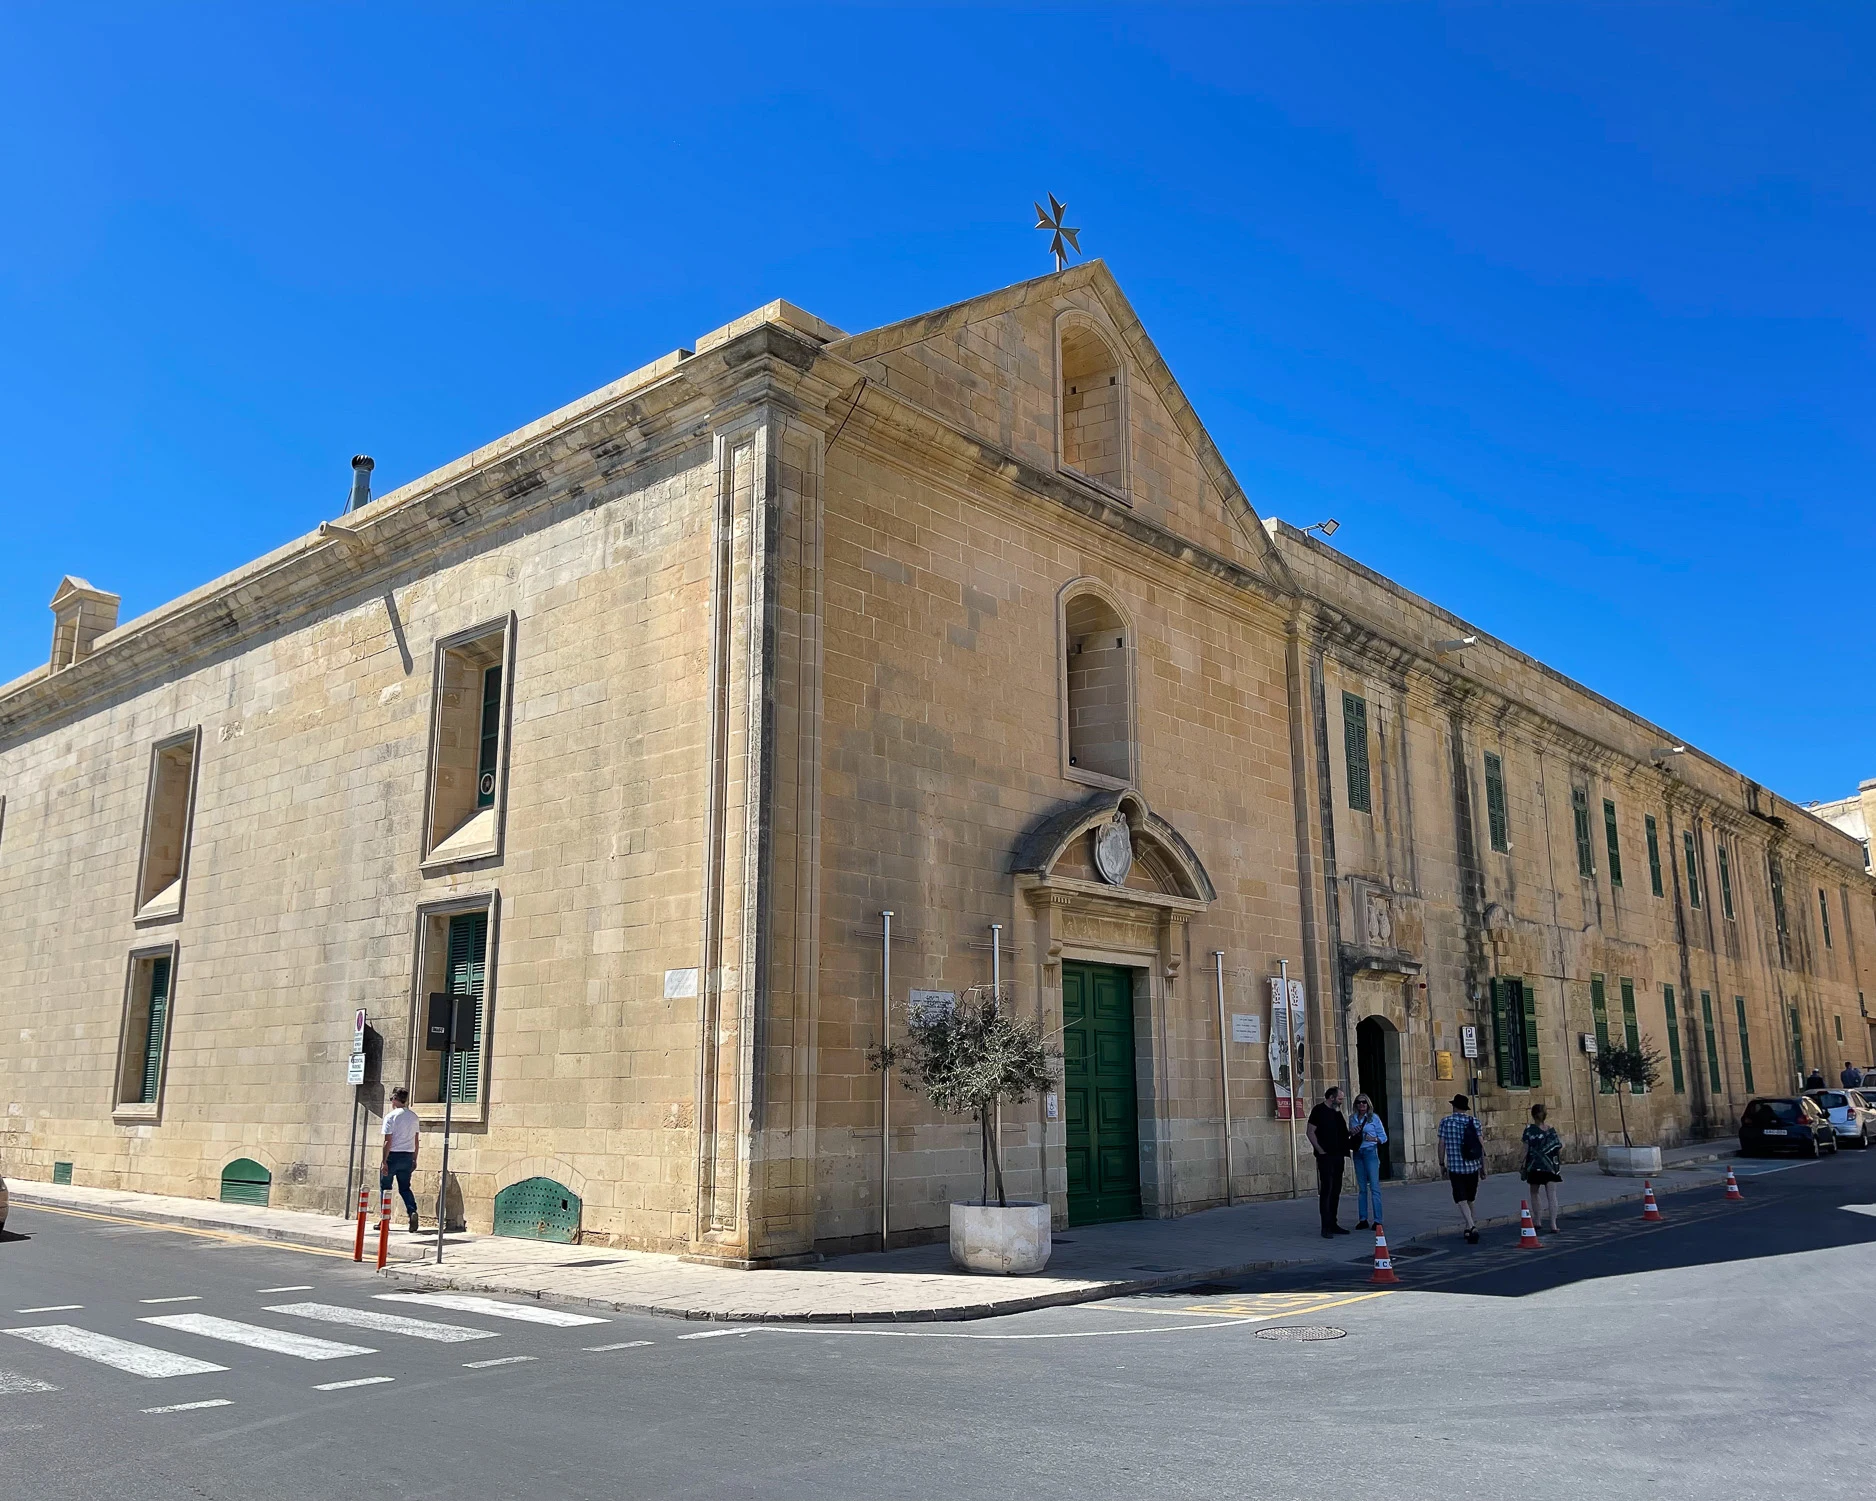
(1791,1124)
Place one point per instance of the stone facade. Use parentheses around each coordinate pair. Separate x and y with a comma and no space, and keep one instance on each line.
(667,698)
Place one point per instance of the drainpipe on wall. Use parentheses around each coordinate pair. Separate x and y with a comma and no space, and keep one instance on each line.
(1224,1071)
(885,1080)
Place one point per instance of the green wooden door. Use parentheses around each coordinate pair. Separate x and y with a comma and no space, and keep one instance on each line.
(1099,1094)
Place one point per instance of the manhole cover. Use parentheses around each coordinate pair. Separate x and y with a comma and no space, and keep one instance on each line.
(1302,1332)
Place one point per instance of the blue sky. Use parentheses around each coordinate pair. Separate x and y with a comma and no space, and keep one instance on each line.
(1565,313)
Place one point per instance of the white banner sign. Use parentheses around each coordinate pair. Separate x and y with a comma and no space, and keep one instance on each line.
(1289,1039)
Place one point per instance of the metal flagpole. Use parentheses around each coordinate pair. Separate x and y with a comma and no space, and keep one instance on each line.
(996,989)
(1224,1071)
(1296,1083)
(885,1080)
(449,1097)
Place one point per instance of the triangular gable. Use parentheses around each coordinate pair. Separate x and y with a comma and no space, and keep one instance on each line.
(961,362)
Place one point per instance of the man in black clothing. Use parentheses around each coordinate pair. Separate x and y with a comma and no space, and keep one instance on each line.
(1328,1139)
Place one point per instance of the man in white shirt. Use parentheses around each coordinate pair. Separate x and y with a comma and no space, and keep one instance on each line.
(402,1132)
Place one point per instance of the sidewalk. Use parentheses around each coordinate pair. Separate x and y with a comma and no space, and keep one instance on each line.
(915,1284)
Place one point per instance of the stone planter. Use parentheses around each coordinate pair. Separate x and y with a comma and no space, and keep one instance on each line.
(1631,1162)
(1010,1242)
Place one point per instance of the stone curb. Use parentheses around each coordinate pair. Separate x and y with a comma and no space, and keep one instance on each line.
(284,1234)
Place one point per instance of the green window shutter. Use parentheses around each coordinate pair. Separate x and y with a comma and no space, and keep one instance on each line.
(1500,1042)
(1355,748)
(1631,1032)
(153,1038)
(1713,1051)
(1615,847)
(1745,1043)
(1585,850)
(1599,1010)
(1674,1039)
(1495,803)
(465,974)
(491,737)
(1726,880)
(1693,868)
(1797,1042)
(1654,854)
(1776,877)
(1533,1074)
(1823,911)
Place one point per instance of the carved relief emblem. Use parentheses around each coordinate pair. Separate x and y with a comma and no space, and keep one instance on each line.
(1113,851)
(1380,926)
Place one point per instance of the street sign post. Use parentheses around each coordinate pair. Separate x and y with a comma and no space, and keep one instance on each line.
(1469,1041)
(450,1028)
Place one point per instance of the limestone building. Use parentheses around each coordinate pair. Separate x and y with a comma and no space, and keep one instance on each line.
(633,724)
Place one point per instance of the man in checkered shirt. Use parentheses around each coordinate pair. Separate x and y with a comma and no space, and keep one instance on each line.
(1463,1169)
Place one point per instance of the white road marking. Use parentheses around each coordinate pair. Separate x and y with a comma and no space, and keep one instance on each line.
(11,1385)
(1869,1209)
(630,1344)
(52,1308)
(483,1365)
(192,1406)
(192,1298)
(385,1323)
(1223,1323)
(139,1360)
(721,1333)
(298,1287)
(527,1313)
(343,1386)
(301,1346)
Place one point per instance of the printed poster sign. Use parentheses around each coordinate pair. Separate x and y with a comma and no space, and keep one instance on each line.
(929,1005)
(1289,1046)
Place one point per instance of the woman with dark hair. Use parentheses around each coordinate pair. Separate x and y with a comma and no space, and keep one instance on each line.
(1543,1164)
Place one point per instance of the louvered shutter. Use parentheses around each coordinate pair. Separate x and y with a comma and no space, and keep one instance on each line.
(1599,1009)
(1533,1075)
(159,1020)
(1501,1043)
(468,952)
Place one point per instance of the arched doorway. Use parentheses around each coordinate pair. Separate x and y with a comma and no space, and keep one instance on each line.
(1377,1075)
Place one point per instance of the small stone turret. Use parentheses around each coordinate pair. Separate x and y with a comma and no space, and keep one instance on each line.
(80,614)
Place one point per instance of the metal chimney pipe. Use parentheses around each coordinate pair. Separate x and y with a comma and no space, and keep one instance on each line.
(361,483)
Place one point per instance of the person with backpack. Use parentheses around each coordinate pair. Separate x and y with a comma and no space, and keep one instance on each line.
(1543,1164)
(1462,1153)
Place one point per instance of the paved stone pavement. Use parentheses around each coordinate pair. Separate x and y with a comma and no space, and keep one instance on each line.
(911,1284)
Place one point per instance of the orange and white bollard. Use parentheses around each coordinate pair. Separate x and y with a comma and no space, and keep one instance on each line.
(1383,1263)
(384,1227)
(1651,1214)
(1733,1194)
(358,1246)
(1527,1231)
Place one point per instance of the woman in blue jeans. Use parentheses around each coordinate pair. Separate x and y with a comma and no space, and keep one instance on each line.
(1365,1134)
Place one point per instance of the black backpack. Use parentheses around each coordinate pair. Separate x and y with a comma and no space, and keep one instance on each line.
(1470,1146)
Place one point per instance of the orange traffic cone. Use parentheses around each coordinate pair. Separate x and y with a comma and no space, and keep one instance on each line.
(1649,1210)
(1527,1231)
(1732,1188)
(1383,1263)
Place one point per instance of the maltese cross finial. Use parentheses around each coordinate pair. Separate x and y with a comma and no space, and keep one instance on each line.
(1059,231)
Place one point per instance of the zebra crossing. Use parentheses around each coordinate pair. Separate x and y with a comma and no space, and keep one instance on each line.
(159,1362)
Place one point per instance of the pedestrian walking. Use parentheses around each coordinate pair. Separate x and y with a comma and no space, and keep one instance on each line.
(1543,1164)
(1816,1079)
(1852,1076)
(402,1131)
(1366,1134)
(1462,1154)
(1328,1139)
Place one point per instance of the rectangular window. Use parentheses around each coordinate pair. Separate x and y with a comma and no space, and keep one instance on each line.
(1599,1012)
(1631,1029)
(1839,1022)
(168,809)
(1823,911)
(1674,1039)
(1355,751)
(1779,925)
(145,1040)
(1654,854)
(1615,848)
(1514,1031)
(457,957)
(1713,1049)
(1495,803)
(1745,1043)
(1797,1043)
(472,698)
(1693,868)
(1585,851)
(1726,878)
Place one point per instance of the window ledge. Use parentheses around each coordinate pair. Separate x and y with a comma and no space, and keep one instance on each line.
(1112,492)
(166,904)
(1096,778)
(474,840)
(430,1113)
(136,1115)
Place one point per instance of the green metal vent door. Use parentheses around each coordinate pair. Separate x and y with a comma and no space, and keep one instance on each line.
(538,1209)
(245,1181)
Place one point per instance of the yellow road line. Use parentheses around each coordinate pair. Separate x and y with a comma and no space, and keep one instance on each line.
(228,1237)
(1248,1306)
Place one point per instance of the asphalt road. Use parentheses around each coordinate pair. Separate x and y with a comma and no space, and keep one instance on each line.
(1722,1353)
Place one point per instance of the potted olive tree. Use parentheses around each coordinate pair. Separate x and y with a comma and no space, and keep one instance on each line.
(970,1058)
(1628,1069)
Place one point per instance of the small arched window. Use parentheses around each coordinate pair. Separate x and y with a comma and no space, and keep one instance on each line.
(1093,406)
(1098,678)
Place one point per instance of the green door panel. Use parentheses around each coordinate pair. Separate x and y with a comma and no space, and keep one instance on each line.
(1101,1106)
(538,1209)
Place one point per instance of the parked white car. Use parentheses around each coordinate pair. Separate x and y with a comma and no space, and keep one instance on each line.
(1851,1116)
